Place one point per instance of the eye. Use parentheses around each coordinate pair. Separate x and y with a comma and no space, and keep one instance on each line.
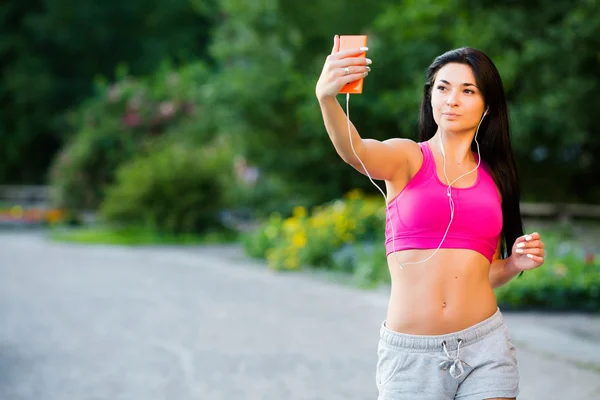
(441,88)
(469,91)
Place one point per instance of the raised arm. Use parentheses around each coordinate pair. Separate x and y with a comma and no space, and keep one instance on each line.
(382,159)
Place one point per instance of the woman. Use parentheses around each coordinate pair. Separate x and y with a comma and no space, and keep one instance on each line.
(453,229)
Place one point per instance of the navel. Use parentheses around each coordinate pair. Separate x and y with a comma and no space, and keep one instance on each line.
(444,304)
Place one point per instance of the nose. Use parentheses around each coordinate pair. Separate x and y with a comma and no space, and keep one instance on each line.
(452,99)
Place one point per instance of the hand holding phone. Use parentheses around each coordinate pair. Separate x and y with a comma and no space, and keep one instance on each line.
(345,68)
(349,42)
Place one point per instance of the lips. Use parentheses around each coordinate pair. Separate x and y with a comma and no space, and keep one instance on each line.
(451,115)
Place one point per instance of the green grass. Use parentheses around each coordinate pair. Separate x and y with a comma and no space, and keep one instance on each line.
(136,236)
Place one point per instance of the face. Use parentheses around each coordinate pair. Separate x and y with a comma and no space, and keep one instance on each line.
(456,100)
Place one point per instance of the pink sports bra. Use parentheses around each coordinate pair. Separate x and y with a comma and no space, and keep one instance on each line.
(421,212)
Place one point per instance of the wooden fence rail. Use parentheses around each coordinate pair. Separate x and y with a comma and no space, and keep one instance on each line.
(560,211)
(25,194)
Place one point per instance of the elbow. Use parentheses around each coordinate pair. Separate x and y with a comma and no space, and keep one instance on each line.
(354,156)
(352,161)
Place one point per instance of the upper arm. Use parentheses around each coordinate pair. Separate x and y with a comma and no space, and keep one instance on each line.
(383,160)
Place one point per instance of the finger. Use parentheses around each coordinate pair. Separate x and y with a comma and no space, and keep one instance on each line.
(530,250)
(336,44)
(338,55)
(535,251)
(346,62)
(531,244)
(352,70)
(536,259)
(528,237)
(352,77)
(532,236)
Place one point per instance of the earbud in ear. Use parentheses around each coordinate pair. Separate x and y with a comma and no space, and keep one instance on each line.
(486,111)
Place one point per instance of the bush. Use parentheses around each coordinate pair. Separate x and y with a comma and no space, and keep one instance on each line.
(313,240)
(113,126)
(568,280)
(85,167)
(177,188)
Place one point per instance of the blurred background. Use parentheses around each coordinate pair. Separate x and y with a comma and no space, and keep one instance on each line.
(192,125)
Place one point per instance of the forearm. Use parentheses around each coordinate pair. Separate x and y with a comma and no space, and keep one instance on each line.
(336,125)
(501,272)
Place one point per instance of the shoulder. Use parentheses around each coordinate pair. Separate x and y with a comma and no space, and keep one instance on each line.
(410,149)
(410,152)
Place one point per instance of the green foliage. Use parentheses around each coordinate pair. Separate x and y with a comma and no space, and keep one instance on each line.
(132,236)
(271,58)
(269,53)
(546,56)
(173,188)
(51,51)
(568,280)
(118,122)
(549,94)
(256,87)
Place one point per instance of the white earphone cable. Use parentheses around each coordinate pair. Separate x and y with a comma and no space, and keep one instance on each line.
(367,172)
(449,188)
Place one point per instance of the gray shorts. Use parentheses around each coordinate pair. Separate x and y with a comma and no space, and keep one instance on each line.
(473,364)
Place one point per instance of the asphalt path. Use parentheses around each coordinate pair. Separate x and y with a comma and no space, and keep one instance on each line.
(109,322)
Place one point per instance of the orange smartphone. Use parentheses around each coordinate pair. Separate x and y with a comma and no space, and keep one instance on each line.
(352,42)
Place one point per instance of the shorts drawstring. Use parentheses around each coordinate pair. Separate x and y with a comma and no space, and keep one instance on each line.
(454,365)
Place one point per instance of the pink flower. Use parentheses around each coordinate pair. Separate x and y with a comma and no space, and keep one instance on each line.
(132,120)
(589,258)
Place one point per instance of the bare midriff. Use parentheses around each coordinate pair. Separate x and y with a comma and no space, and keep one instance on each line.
(448,293)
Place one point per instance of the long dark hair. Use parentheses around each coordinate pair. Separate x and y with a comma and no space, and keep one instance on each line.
(493,136)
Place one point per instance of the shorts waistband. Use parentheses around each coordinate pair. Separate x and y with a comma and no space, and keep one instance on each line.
(425,343)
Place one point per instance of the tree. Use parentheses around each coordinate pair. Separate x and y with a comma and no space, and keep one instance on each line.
(52,50)
(271,55)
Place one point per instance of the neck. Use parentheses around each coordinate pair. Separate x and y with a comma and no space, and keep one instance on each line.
(457,147)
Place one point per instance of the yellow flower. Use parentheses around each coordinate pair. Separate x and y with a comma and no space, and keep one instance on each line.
(291,263)
(341,225)
(299,240)
(318,221)
(290,223)
(299,212)
(54,216)
(16,212)
(354,194)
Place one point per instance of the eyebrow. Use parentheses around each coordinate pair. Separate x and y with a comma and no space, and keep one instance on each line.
(464,84)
